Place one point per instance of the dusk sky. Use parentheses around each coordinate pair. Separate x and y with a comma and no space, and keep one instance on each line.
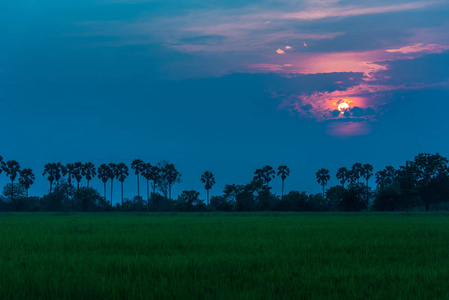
(224,85)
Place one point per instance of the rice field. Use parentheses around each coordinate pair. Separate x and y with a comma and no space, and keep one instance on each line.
(224,256)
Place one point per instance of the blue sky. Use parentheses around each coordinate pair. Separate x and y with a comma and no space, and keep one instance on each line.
(225,86)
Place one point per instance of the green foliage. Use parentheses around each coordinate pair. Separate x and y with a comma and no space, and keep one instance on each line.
(14,191)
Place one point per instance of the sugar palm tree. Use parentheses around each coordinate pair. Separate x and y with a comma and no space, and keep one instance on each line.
(111,173)
(284,172)
(150,172)
(367,172)
(60,171)
(78,173)
(137,165)
(27,178)
(342,175)
(103,174)
(11,168)
(323,177)
(208,179)
(121,172)
(69,170)
(266,174)
(89,172)
(50,170)
(357,171)
(168,176)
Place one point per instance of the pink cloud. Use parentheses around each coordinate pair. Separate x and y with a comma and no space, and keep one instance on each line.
(280,51)
(420,47)
(350,11)
(348,128)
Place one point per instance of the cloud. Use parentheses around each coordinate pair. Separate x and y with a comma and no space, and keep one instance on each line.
(280,51)
(350,11)
(420,47)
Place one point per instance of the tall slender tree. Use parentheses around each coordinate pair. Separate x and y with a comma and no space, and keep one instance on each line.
(266,174)
(150,172)
(357,170)
(50,171)
(342,175)
(104,174)
(367,172)
(138,166)
(78,173)
(209,180)
(121,172)
(89,172)
(168,177)
(11,168)
(69,170)
(284,172)
(112,172)
(323,177)
(27,178)
(60,171)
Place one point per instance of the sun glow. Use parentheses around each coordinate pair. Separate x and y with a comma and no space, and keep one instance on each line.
(342,107)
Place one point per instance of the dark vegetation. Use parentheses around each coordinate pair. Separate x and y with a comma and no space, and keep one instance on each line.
(420,184)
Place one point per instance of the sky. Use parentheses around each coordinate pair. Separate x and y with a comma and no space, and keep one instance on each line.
(227,86)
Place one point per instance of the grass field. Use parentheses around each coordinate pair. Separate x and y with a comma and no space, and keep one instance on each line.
(224,256)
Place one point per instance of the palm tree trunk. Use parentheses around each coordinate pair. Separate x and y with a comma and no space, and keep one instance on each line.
(122,192)
(154,187)
(88,183)
(323,191)
(282,189)
(169,191)
(148,192)
(111,190)
(12,190)
(138,187)
(208,203)
(104,183)
(51,186)
(27,193)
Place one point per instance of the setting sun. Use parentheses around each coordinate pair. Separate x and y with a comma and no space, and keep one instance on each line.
(342,107)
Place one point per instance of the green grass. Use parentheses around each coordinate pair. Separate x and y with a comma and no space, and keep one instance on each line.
(224,256)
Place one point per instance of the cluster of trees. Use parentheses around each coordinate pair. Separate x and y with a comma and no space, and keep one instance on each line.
(423,182)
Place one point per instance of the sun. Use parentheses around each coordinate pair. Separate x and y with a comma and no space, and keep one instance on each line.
(342,107)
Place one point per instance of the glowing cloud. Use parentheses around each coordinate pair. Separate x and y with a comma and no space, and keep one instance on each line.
(280,51)
(419,47)
(288,47)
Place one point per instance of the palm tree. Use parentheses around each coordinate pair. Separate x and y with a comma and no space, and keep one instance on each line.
(11,169)
(60,171)
(89,172)
(265,174)
(121,172)
(342,175)
(26,178)
(367,172)
(50,169)
(69,170)
(137,165)
(78,173)
(357,171)
(2,164)
(323,177)
(111,173)
(209,180)
(150,172)
(168,176)
(103,174)
(284,172)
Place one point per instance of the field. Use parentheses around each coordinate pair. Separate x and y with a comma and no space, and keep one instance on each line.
(224,256)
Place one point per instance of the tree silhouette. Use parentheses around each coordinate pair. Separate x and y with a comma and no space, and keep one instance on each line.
(2,164)
(266,174)
(284,172)
(104,172)
(137,165)
(78,173)
(112,172)
(50,169)
(89,171)
(11,168)
(322,176)
(60,170)
(367,171)
(69,170)
(121,172)
(26,178)
(168,177)
(342,175)
(208,179)
(356,171)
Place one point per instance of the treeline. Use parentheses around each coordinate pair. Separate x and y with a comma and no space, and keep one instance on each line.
(420,184)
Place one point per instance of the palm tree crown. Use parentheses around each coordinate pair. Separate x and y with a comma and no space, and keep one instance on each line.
(208,179)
